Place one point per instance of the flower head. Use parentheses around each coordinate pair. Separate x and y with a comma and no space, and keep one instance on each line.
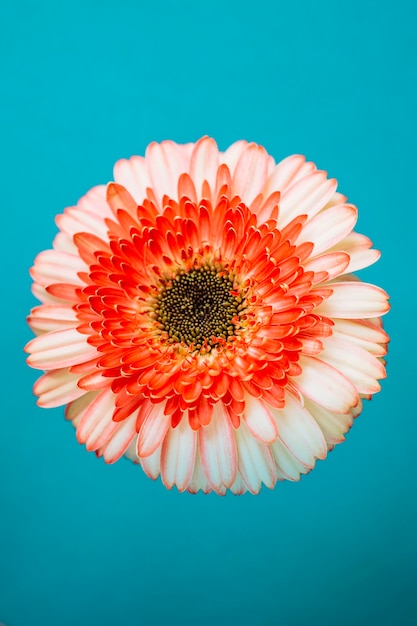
(200,316)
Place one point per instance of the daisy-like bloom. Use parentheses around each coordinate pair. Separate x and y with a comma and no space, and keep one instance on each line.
(199,315)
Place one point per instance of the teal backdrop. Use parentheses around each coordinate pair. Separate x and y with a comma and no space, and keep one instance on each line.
(84,83)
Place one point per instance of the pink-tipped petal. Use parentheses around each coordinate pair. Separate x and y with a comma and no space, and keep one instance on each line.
(251,172)
(361,258)
(131,452)
(232,155)
(329,227)
(287,172)
(333,264)
(204,163)
(362,333)
(75,220)
(198,480)
(165,164)
(259,420)
(354,300)
(74,411)
(287,465)
(360,367)
(52,266)
(133,175)
(256,464)
(333,425)
(96,424)
(64,243)
(47,318)
(299,432)
(151,464)
(119,441)
(56,388)
(238,488)
(178,456)
(306,197)
(337,198)
(153,431)
(61,348)
(325,385)
(94,201)
(360,251)
(218,449)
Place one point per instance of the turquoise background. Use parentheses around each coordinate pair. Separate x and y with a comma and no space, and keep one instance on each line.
(85,83)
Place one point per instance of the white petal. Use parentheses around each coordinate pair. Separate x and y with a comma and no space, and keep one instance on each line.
(153,431)
(186,150)
(204,163)
(360,251)
(75,410)
(354,300)
(52,266)
(218,449)
(329,227)
(287,172)
(361,258)
(325,385)
(133,175)
(57,387)
(96,424)
(259,420)
(151,464)
(75,220)
(363,334)
(232,154)
(198,480)
(256,464)
(94,201)
(64,243)
(361,368)
(132,456)
(357,410)
(165,164)
(47,318)
(61,348)
(238,487)
(307,196)
(333,263)
(119,441)
(299,432)
(286,463)
(333,425)
(178,455)
(337,198)
(250,174)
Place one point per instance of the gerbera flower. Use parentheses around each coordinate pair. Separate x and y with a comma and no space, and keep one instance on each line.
(199,315)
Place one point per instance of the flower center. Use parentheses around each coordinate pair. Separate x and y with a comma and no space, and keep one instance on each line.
(199,308)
